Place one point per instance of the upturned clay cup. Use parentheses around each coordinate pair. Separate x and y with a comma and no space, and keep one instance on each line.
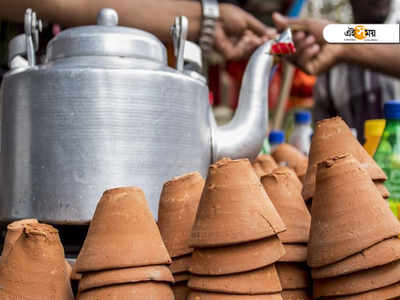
(300,294)
(382,189)
(234,207)
(238,258)
(293,158)
(181,277)
(179,200)
(294,253)
(379,254)
(358,282)
(122,234)
(331,138)
(181,264)
(264,164)
(195,295)
(127,275)
(348,213)
(389,292)
(35,269)
(137,291)
(261,281)
(181,291)
(14,231)
(293,276)
(290,205)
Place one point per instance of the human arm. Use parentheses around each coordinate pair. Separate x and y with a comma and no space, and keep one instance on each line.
(152,15)
(237,32)
(315,56)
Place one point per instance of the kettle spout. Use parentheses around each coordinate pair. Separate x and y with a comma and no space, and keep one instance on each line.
(244,135)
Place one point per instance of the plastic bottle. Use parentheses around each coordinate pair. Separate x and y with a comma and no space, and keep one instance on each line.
(388,153)
(276,137)
(302,132)
(373,130)
(266,148)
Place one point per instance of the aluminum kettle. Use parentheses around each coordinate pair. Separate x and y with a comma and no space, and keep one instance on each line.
(104,110)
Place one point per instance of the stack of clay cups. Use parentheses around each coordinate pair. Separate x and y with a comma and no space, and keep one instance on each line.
(282,188)
(33,264)
(179,201)
(289,156)
(235,237)
(354,251)
(333,137)
(264,164)
(123,256)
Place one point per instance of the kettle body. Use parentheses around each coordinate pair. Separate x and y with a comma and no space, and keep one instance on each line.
(83,123)
(104,110)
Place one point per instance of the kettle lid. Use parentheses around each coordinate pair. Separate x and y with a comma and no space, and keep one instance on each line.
(106,39)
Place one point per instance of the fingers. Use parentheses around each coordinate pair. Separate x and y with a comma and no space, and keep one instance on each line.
(282,22)
(304,43)
(257,27)
(235,50)
(222,43)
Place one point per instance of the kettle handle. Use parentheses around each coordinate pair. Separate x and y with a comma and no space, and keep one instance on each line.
(26,44)
(179,33)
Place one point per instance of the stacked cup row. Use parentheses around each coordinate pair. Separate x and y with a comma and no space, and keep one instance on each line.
(123,256)
(179,201)
(354,251)
(284,189)
(235,237)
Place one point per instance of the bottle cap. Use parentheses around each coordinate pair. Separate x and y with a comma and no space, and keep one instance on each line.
(276,137)
(392,110)
(302,117)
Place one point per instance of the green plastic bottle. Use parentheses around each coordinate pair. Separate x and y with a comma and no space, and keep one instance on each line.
(266,149)
(388,153)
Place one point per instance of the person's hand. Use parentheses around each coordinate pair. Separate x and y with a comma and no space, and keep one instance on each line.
(313,54)
(238,34)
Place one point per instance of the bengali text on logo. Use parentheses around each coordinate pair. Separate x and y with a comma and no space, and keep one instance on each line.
(353,33)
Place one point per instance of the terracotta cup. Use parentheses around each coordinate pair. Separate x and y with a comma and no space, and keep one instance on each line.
(122,234)
(180,264)
(261,281)
(382,189)
(237,258)
(294,181)
(358,282)
(35,269)
(75,275)
(293,158)
(234,207)
(137,291)
(264,164)
(348,213)
(389,292)
(181,291)
(379,254)
(296,295)
(182,277)
(333,137)
(294,253)
(14,231)
(290,205)
(179,200)
(194,295)
(293,276)
(127,275)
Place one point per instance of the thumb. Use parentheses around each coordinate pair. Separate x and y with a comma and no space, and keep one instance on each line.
(280,21)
